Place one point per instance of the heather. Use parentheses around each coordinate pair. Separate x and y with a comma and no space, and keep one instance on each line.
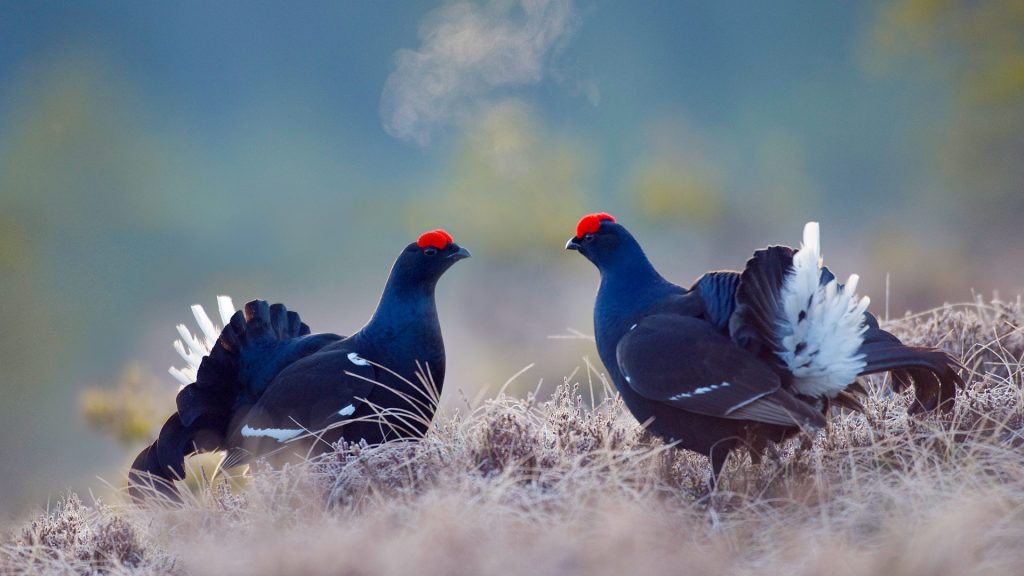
(567,482)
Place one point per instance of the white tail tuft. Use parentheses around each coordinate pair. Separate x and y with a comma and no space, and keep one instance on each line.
(182,377)
(192,359)
(193,349)
(226,308)
(205,324)
(197,348)
(822,326)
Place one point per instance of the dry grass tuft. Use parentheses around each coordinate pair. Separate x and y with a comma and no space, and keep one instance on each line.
(566,486)
(76,539)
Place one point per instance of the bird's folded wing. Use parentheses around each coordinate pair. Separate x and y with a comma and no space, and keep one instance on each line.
(686,363)
(315,393)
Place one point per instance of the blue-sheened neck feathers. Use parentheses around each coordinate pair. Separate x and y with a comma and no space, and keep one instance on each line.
(630,287)
(404,333)
(406,304)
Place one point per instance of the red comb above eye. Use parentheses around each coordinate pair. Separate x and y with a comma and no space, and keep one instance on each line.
(435,239)
(592,223)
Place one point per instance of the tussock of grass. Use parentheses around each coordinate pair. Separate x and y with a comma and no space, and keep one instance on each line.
(85,540)
(561,486)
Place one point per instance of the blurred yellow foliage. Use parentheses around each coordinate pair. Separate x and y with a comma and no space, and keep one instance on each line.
(130,412)
(667,190)
(676,178)
(908,23)
(513,185)
(1002,81)
(980,47)
(986,40)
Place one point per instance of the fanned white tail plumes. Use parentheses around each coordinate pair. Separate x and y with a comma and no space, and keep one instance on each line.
(193,348)
(822,327)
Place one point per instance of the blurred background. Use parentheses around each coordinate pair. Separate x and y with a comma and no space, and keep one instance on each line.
(154,155)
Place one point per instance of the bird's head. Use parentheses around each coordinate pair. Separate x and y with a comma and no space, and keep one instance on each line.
(601,240)
(426,259)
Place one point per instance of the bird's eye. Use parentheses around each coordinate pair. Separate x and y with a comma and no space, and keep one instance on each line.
(430,251)
(588,237)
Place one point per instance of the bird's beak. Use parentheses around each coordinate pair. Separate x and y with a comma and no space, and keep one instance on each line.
(460,255)
(571,244)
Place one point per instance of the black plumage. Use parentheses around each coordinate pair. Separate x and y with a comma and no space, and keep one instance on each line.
(270,387)
(742,358)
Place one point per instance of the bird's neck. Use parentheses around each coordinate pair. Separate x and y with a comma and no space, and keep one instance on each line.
(406,312)
(404,336)
(630,288)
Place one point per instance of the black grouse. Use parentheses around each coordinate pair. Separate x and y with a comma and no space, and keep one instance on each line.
(266,384)
(742,358)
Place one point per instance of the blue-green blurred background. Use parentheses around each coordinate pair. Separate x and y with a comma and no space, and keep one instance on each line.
(154,155)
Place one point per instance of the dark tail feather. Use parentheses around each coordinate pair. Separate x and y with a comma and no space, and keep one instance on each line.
(758,297)
(934,374)
(147,478)
(780,407)
(224,385)
(850,398)
(162,462)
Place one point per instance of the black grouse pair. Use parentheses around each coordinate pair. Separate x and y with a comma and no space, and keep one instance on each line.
(738,359)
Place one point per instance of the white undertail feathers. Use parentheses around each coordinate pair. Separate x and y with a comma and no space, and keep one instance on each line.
(822,326)
(194,348)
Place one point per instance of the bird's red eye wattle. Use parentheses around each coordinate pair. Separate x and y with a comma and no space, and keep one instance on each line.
(438,239)
(591,223)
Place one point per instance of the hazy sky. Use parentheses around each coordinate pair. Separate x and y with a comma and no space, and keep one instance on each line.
(389,83)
